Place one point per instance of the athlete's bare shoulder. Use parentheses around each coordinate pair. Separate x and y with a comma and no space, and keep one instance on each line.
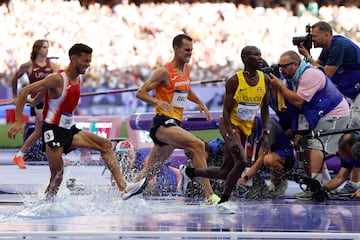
(161,76)
(25,67)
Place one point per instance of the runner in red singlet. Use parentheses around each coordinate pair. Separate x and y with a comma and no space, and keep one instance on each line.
(60,134)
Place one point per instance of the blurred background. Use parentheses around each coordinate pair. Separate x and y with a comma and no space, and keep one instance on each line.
(131,38)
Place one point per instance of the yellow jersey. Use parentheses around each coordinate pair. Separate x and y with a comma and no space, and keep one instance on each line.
(248,100)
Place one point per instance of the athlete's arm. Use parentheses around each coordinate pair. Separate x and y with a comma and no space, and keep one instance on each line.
(159,78)
(53,83)
(230,89)
(26,67)
(202,107)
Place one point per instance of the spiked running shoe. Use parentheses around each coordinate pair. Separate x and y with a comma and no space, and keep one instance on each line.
(184,180)
(225,207)
(279,189)
(133,189)
(19,161)
(305,195)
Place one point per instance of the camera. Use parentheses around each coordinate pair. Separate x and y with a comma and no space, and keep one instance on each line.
(274,69)
(306,40)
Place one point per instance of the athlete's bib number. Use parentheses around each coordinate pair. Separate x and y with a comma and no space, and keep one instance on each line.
(179,99)
(66,120)
(247,112)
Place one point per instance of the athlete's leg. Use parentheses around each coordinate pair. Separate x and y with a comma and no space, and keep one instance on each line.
(89,140)
(56,165)
(36,134)
(177,137)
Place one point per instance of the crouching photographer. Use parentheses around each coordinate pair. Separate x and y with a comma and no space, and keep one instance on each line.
(349,151)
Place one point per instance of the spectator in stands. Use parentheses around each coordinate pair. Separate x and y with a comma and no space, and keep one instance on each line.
(60,134)
(320,102)
(36,69)
(171,84)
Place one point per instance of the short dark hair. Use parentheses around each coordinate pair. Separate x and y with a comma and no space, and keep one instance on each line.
(177,41)
(323,27)
(247,50)
(347,140)
(79,48)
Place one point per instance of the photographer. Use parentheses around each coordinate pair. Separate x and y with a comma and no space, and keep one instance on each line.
(349,147)
(321,103)
(340,59)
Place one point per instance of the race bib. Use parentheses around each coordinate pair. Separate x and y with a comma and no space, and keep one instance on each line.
(303,124)
(49,136)
(246,111)
(179,99)
(66,120)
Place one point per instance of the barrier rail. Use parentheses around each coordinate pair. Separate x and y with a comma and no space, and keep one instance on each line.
(178,235)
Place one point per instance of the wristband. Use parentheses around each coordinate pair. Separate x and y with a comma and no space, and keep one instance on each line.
(308,58)
(246,178)
(266,131)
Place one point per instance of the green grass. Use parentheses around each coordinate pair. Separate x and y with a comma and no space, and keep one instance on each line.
(207,134)
(6,142)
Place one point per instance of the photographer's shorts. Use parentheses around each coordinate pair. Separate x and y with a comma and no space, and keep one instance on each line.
(328,143)
(56,136)
(158,121)
(32,109)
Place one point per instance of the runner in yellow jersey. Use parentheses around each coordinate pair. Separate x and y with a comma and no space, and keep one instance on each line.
(246,92)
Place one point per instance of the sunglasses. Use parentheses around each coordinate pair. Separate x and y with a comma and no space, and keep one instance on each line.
(285,65)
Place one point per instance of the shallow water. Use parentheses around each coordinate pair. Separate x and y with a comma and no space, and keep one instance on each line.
(99,213)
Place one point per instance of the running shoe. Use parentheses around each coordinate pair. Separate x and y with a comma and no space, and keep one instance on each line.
(305,195)
(347,190)
(184,180)
(279,189)
(73,186)
(133,189)
(212,199)
(19,161)
(225,207)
